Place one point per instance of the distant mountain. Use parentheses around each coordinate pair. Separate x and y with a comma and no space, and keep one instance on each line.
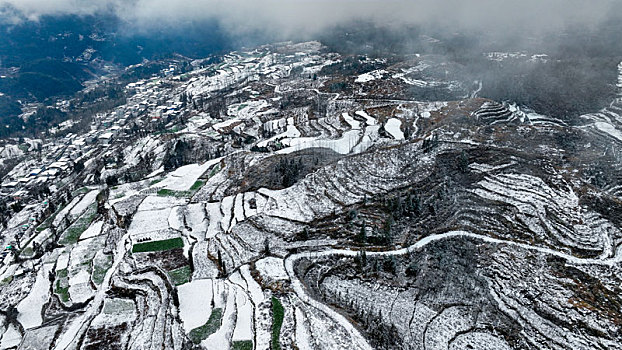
(55,55)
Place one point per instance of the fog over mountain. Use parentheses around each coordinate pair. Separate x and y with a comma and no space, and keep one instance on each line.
(306,18)
(310,175)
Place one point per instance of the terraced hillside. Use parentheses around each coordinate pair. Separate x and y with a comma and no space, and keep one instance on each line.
(284,202)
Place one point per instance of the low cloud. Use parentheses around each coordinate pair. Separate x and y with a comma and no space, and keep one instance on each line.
(302,18)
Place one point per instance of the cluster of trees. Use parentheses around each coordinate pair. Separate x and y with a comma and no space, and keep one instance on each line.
(289,171)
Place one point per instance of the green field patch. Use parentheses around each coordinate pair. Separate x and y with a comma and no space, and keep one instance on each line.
(171,193)
(82,190)
(164,192)
(61,288)
(100,267)
(158,246)
(155,182)
(73,232)
(197,185)
(277,321)
(6,281)
(118,306)
(181,275)
(214,171)
(242,345)
(212,325)
(27,252)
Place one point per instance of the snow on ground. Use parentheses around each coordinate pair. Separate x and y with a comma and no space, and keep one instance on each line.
(184,177)
(247,110)
(61,215)
(80,289)
(273,268)
(221,338)
(369,120)
(478,340)
(355,125)
(244,323)
(195,219)
(290,133)
(343,145)
(39,238)
(30,307)
(79,273)
(609,129)
(197,122)
(253,287)
(393,128)
(70,333)
(225,207)
(84,203)
(10,151)
(213,210)
(226,124)
(156,172)
(10,338)
(93,231)
(150,221)
(195,303)
(84,251)
(303,338)
(238,209)
(158,202)
(115,311)
(371,76)
(176,218)
(371,135)
(62,262)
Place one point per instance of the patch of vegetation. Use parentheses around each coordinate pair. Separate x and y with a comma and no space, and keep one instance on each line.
(171,193)
(163,192)
(61,288)
(212,325)
(6,281)
(83,190)
(242,345)
(181,275)
(62,273)
(73,232)
(172,130)
(27,252)
(157,246)
(277,321)
(100,269)
(118,306)
(215,170)
(155,182)
(197,185)
(166,193)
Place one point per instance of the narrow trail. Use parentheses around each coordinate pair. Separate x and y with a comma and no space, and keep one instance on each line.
(358,341)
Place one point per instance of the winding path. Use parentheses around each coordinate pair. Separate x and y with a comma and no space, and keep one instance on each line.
(359,341)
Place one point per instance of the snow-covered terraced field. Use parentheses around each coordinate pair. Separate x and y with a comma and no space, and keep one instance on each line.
(279,203)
